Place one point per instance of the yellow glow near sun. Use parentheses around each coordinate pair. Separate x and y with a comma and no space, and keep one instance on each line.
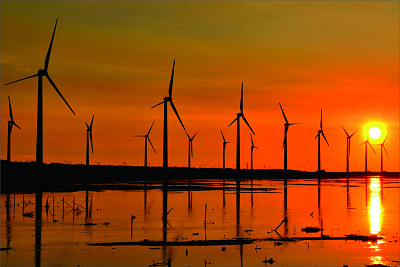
(374,132)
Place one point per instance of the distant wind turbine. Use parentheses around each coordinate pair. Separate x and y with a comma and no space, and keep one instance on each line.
(146,137)
(348,148)
(89,136)
(366,143)
(320,131)
(287,124)
(223,149)
(238,115)
(11,123)
(40,74)
(165,102)
(190,155)
(251,154)
(383,148)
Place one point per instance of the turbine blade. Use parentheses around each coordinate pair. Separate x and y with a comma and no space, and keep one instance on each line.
(91,140)
(194,135)
(148,138)
(171,81)
(316,136)
(187,135)
(22,79)
(16,125)
(232,122)
(46,62)
(55,87)
(241,100)
(248,124)
(353,133)
(384,148)
(295,123)
(251,138)
(87,125)
(9,105)
(345,131)
(385,139)
(176,112)
(91,123)
(151,127)
(325,138)
(222,135)
(371,146)
(157,104)
(256,147)
(284,116)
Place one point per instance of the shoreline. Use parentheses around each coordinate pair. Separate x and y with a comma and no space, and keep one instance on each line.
(17,176)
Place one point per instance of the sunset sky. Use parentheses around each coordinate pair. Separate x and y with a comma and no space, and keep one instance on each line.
(114,60)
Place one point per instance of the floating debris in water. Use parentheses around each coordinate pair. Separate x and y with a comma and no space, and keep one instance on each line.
(270,261)
(277,244)
(310,229)
(223,248)
(28,214)
(195,233)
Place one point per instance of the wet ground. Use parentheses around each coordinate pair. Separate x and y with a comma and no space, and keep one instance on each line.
(199,223)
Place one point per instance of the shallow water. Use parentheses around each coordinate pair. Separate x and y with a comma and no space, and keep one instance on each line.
(251,210)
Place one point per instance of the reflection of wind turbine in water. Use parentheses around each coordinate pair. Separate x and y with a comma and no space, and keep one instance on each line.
(238,232)
(38,228)
(11,123)
(366,143)
(320,131)
(251,153)
(165,102)
(238,116)
(190,155)
(89,136)
(348,138)
(40,74)
(321,222)
(287,124)
(147,137)
(285,207)
(223,149)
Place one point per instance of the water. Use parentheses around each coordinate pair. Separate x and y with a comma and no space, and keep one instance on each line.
(355,206)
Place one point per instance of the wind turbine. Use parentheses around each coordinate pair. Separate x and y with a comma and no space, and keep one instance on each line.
(252,148)
(89,135)
(348,148)
(146,137)
(287,124)
(190,147)
(11,123)
(238,115)
(165,102)
(366,152)
(383,148)
(320,131)
(223,149)
(40,74)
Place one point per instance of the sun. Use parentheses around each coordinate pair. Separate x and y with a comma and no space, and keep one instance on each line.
(374,132)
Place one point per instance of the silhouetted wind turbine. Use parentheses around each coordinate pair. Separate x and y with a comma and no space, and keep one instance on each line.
(146,137)
(252,148)
(40,74)
(89,135)
(165,102)
(190,155)
(320,131)
(11,123)
(223,149)
(348,148)
(287,124)
(238,115)
(366,152)
(383,148)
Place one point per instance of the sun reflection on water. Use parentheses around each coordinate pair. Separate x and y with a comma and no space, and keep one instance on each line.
(375,206)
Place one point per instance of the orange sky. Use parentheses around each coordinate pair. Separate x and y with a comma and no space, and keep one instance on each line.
(114,60)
